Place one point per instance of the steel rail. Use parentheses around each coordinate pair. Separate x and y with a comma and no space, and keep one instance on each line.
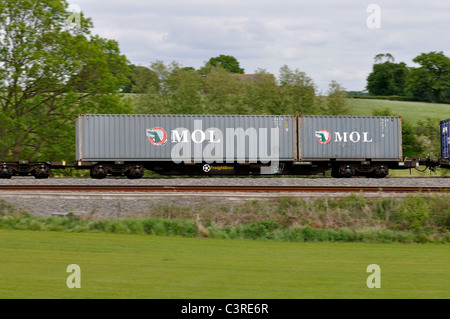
(221,188)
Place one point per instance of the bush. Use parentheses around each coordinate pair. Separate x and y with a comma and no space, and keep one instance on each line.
(147,225)
(415,218)
(422,214)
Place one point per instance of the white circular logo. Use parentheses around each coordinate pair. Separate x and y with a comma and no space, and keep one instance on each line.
(206,168)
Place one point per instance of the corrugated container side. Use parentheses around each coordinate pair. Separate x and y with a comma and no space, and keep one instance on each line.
(350,138)
(445,138)
(151,137)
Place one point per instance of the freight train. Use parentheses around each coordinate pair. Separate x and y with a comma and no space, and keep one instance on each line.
(128,145)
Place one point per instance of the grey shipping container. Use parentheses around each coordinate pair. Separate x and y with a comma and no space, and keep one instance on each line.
(349,138)
(445,138)
(185,138)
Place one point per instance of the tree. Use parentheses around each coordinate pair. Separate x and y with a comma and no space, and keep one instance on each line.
(430,81)
(428,131)
(262,94)
(173,90)
(141,78)
(298,93)
(227,62)
(225,93)
(387,78)
(336,102)
(379,58)
(48,74)
(185,89)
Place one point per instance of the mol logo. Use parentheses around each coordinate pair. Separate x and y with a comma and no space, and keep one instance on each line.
(323,136)
(157,136)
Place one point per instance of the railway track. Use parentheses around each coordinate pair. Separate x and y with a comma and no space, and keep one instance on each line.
(222,188)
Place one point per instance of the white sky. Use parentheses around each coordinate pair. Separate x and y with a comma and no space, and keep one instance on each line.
(329,40)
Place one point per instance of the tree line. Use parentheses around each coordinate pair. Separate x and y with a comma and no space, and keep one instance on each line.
(222,87)
(429,81)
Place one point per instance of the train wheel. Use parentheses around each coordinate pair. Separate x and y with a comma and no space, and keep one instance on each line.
(5,172)
(347,172)
(135,172)
(99,172)
(380,172)
(41,172)
(342,171)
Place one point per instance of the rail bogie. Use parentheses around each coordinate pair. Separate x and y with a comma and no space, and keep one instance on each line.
(103,169)
(24,168)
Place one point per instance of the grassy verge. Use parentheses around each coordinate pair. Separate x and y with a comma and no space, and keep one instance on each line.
(412,219)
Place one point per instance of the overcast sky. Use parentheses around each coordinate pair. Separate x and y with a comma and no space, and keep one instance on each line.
(326,39)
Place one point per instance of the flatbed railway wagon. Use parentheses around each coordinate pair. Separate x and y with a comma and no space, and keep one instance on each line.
(127,145)
(237,144)
(184,144)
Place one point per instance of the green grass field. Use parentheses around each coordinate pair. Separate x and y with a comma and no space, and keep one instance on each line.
(411,111)
(33,265)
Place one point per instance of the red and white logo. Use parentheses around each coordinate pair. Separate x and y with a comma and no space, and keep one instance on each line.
(157,136)
(323,136)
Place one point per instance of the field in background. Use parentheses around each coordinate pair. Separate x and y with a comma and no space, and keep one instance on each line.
(411,111)
(33,265)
